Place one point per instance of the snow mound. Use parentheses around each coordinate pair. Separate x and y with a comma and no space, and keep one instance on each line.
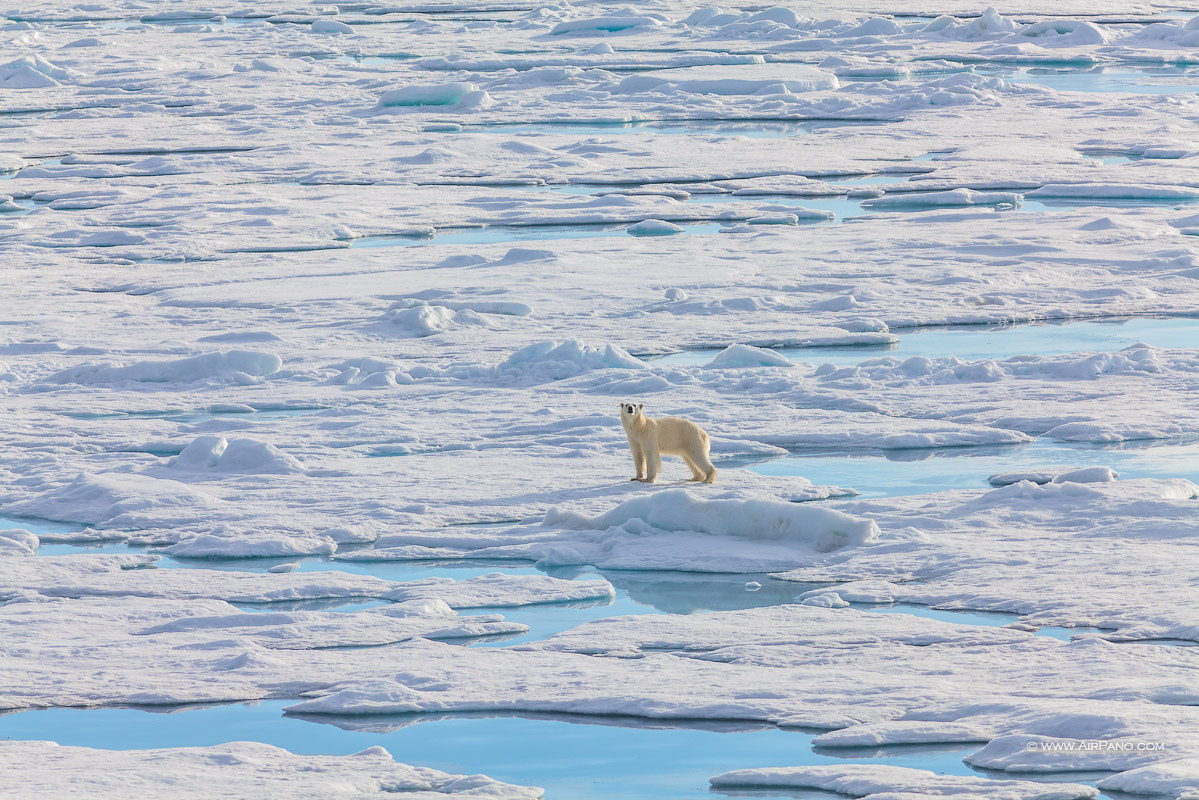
(507,308)
(110,498)
(678,510)
(369,373)
(653,227)
(876,26)
(330,26)
(459,95)
(17,542)
(868,780)
(601,26)
(420,321)
(33,72)
(25,77)
(1063,32)
(990,25)
(1176,778)
(1023,752)
(1086,475)
(743,356)
(235,365)
(237,456)
(552,361)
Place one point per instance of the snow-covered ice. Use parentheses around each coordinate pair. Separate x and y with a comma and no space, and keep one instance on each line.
(876,781)
(360,286)
(238,769)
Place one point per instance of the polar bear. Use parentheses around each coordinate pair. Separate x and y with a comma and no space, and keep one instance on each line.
(651,438)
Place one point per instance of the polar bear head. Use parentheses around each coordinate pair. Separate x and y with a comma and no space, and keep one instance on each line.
(630,411)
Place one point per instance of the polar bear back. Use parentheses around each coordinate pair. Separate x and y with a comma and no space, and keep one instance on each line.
(676,435)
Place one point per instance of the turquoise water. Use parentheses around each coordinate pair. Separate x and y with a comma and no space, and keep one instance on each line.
(38,526)
(977,342)
(987,618)
(1112,158)
(573,758)
(899,473)
(1059,203)
(1149,80)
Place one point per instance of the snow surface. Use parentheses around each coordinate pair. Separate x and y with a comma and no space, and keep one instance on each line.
(239,769)
(877,781)
(79,576)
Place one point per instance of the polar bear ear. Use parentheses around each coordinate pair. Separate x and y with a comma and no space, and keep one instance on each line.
(641,406)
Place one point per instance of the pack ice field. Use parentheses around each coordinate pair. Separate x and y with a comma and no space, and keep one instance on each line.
(318,325)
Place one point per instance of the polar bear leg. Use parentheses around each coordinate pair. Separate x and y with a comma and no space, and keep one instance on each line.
(702,467)
(638,461)
(653,462)
(697,474)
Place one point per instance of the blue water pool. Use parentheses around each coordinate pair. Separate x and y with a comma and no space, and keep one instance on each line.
(976,342)
(1150,80)
(41,527)
(987,618)
(573,758)
(1059,203)
(920,471)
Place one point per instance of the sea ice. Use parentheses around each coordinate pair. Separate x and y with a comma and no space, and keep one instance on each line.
(879,781)
(182,185)
(241,769)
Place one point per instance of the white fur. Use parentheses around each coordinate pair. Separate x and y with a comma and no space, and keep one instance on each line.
(649,439)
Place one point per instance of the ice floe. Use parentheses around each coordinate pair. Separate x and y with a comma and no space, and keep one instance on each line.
(239,768)
(877,781)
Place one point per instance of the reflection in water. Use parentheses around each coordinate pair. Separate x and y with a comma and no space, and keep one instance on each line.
(688,592)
